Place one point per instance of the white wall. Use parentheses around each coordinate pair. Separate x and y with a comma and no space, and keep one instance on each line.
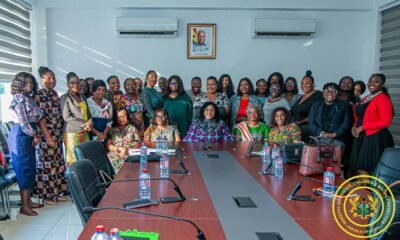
(82,38)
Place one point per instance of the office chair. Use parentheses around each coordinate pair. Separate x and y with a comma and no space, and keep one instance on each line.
(83,183)
(96,153)
(388,170)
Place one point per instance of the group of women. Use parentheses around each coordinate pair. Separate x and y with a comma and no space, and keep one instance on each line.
(271,111)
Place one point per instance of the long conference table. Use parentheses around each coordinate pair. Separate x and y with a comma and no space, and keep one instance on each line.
(210,188)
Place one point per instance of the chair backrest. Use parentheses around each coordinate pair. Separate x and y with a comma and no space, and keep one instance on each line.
(82,182)
(96,153)
(388,169)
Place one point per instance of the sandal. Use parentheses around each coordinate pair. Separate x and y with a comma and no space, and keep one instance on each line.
(61,199)
(50,202)
(37,205)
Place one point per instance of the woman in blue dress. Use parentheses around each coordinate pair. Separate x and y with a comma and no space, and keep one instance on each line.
(24,136)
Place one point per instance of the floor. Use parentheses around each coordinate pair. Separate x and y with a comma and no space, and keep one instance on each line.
(59,222)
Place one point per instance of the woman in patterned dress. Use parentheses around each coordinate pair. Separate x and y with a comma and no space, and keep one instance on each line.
(24,136)
(209,128)
(161,127)
(51,184)
(283,132)
(121,137)
(221,100)
(134,104)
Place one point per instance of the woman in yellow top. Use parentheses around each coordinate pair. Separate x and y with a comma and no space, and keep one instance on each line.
(76,115)
(161,127)
(283,132)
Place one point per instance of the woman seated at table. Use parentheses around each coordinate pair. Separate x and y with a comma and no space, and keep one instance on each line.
(283,132)
(252,129)
(209,127)
(160,127)
(120,138)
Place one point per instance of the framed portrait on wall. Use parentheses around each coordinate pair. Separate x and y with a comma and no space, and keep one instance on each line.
(201,41)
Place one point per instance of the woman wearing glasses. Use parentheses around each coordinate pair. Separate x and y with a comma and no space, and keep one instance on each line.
(76,115)
(178,105)
(291,91)
(330,118)
(161,127)
(274,101)
(212,95)
(243,98)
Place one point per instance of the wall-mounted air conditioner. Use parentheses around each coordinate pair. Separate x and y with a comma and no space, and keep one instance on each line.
(146,27)
(269,27)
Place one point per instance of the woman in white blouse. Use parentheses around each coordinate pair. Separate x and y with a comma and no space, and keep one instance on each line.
(101,110)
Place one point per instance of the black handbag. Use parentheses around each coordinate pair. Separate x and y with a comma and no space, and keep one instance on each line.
(292,152)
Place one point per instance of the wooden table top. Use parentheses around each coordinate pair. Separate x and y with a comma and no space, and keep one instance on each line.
(315,218)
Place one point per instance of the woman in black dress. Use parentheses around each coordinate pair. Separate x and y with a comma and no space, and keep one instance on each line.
(301,109)
(373,115)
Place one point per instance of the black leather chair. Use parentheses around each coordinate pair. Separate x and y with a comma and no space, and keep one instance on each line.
(83,185)
(96,153)
(388,169)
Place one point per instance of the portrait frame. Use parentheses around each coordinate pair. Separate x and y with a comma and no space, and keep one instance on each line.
(201,41)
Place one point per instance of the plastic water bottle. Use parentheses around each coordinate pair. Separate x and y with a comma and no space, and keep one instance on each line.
(164,166)
(144,185)
(278,161)
(158,144)
(165,144)
(143,157)
(328,188)
(114,234)
(100,233)
(266,154)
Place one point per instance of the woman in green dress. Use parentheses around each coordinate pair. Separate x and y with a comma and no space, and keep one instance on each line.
(150,97)
(252,129)
(178,105)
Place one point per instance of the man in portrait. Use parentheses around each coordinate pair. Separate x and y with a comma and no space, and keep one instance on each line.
(200,45)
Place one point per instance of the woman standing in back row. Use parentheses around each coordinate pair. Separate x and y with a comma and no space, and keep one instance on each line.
(373,115)
(77,117)
(24,136)
(152,99)
(51,184)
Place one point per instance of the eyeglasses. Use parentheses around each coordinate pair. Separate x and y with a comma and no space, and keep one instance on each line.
(330,91)
(275,89)
(74,83)
(173,83)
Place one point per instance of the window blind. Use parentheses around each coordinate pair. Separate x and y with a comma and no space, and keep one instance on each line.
(15,39)
(390,62)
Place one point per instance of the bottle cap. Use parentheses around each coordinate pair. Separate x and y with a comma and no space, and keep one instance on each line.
(329,168)
(99,228)
(144,170)
(114,231)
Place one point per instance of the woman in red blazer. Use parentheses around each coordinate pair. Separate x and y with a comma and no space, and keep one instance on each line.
(373,115)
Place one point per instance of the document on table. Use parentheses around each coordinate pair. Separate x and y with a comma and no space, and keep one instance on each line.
(150,151)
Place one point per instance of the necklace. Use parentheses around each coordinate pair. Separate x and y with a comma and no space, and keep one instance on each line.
(368,98)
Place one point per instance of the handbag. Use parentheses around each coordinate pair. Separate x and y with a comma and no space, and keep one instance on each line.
(292,152)
(317,157)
